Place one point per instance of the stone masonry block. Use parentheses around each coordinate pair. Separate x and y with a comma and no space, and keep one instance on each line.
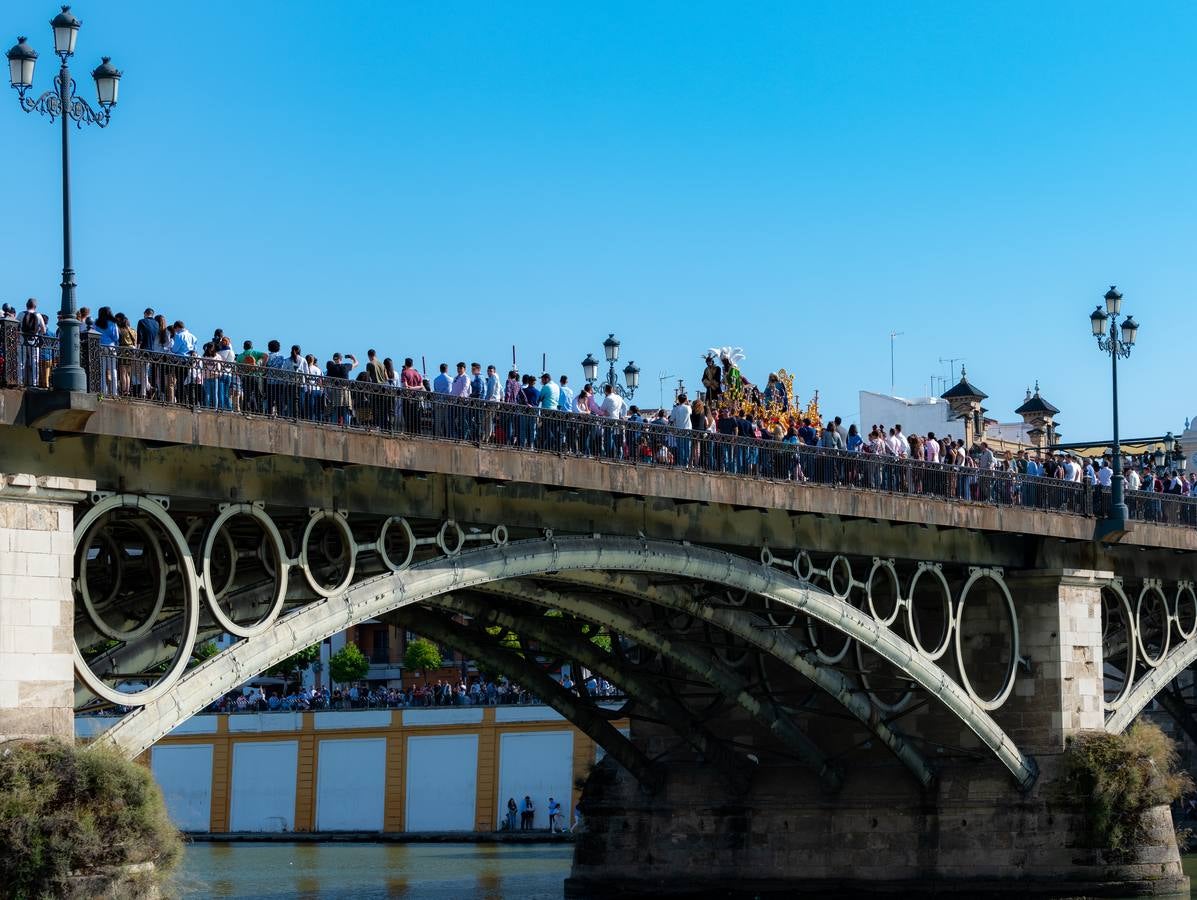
(45,612)
(13,563)
(14,516)
(46,694)
(43,566)
(33,542)
(14,610)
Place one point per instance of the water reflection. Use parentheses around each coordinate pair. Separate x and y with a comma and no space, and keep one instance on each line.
(374,871)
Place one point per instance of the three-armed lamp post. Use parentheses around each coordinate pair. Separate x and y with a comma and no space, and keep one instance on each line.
(62,103)
(631,372)
(1117,342)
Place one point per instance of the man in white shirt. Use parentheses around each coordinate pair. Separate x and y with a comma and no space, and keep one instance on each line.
(1133,481)
(614,408)
(1071,470)
(1105,474)
(613,404)
(679,418)
(899,444)
(931,448)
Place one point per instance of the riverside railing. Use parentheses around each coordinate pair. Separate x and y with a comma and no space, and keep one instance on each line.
(259,391)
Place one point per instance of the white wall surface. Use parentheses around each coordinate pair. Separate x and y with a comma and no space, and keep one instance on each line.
(353,718)
(185,775)
(540,764)
(350,784)
(442,782)
(446,715)
(915,416)
(527,714)
(257,723)
(263,788)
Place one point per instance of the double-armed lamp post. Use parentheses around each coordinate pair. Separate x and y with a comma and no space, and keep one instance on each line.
(62,103)
(1116,341)
(631,372)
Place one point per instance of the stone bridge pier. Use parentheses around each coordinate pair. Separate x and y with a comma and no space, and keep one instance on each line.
(37,681)
(973,828)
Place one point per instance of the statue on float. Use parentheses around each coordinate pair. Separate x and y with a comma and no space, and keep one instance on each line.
(777,405)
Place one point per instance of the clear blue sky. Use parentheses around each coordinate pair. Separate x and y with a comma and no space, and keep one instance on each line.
(448,179)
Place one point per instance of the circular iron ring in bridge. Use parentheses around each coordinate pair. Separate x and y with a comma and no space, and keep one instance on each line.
(884,565)
(108,551)
(442,538)
(844,591)
(349,548)
(186,572)
(273,539)
(1122,603)
(874,697)
(994,702)
(813,625)
(912,624)
(205,570)
(382,548)
(804,567)
(1185,590)
(1161,605)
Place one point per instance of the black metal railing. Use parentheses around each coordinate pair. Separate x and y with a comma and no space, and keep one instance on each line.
(223,387)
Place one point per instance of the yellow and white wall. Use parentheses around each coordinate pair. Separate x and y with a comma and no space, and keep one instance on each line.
(449,769)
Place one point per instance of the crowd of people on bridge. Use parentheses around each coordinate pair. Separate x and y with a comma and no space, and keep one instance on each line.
(733,426)
(471,692)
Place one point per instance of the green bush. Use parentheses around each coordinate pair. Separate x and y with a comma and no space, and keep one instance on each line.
(65,809)
(422,656)
(348,665)
(1116,778)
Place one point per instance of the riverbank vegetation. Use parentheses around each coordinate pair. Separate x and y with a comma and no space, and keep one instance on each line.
(69,811)
(1117,778)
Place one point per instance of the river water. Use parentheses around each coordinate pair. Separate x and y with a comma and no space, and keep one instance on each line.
(374,871)
(377,871)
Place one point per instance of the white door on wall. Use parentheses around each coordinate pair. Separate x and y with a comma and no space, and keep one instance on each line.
(539,764)
(184,772)
(263,789)
(350,784)
(442,782)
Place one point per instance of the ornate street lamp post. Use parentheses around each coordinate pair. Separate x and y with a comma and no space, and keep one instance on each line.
(631,372)
(1118,343)
(63,103)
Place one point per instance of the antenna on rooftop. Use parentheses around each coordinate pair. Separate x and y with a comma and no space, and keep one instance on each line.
(951,361)
(892,335)
(661,379)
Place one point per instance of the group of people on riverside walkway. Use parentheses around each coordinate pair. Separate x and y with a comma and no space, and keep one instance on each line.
(525,814)
(734,427)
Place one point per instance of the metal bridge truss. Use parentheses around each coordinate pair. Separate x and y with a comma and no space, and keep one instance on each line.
(693,631)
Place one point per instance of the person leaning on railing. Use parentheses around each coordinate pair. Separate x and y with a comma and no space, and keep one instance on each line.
(253,383)
(33,331)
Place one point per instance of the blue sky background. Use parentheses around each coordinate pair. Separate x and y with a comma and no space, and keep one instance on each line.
(448,179)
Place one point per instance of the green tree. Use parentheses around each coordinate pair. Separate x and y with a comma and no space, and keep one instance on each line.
(422,655)
(293,665)
(348,665)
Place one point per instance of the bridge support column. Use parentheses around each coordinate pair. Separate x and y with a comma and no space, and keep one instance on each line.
(37,605)
(1059,614)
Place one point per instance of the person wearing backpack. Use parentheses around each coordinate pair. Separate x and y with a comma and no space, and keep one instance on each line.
(33,329)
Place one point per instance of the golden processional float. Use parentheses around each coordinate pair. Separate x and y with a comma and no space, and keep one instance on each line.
(778,408)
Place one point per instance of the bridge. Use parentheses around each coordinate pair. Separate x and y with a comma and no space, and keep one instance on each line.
(845,673)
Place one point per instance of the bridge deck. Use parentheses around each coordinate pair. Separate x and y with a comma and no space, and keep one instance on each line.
(156,425)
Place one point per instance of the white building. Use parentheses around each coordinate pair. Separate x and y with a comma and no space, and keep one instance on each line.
(917,416)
